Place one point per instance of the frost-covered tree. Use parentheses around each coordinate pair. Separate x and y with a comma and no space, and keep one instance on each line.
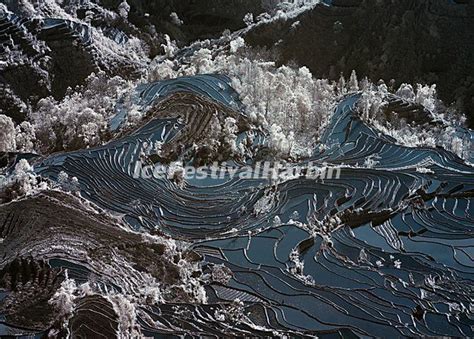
(406,92)
(341,85)
(279,141)
(248,19)
(25,137)
(364,84)
(66,183)
(22,181)
(371,102)
(7,135)
(124,9)
(161,70)
(446,134)
(230,137)
(170,47)
(175,19)
(426,96)
(353,84)
(79,120)
(283,9)
(236,44)
(202,61)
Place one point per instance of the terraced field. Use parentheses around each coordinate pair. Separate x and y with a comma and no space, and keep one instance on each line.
(388,249)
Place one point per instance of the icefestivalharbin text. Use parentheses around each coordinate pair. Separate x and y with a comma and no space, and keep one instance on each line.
(261,170)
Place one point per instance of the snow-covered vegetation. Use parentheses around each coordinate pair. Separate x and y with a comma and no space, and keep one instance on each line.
(288,102)
(444,133)
(21,182)
(285,9)
(294,106)
(79,120)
